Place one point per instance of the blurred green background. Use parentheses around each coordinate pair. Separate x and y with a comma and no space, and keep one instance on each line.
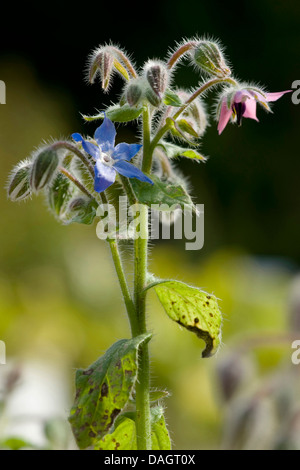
(59,300)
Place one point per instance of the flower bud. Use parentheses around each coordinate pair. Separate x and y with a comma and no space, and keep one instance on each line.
(134,92)
(102,62)
(157,75)
(152,97)
(208,56)
(59,193)
(44,168)
(19,186)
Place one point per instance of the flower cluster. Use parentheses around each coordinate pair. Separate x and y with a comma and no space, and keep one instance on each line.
(110,159)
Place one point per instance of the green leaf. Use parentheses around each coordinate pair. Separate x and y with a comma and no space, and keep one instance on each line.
(161,192)
(174,151)
(123,437)
(15,443)
(118,113)
(160,436)
(172,99)
(185,126)
(103,389)
(193,309)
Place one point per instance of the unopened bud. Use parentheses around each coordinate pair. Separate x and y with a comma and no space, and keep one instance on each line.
(19,186)
(157,75)
(59,193)
(208,56)
(102,62)
(44,168)
(152,97)
(134,92)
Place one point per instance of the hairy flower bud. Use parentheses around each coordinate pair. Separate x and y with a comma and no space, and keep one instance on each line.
(157,75)
(134,92)
(45,165)
(208,56)
(102,63)
(19,185)
(59,193)
(152,97)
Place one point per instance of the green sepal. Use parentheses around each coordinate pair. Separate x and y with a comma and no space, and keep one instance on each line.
(174,151)
(172,99)
(103,389)
(192,308)
(118,113)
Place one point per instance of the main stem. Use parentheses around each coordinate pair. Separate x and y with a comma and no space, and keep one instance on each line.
(143,420)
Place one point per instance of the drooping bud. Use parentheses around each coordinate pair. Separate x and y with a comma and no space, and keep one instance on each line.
(19,182)
(45,165)
(209,57)
(102,62)
(134,92)
(59,193)
(157,75)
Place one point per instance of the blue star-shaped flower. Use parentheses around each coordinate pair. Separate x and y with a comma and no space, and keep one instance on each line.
(111,159)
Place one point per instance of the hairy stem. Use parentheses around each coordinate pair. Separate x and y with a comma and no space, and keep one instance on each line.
(164,129)
(143,421)
(180,52)
(77,152)
(130,307)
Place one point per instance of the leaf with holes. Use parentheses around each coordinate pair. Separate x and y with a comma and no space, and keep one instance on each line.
(193,309)
(103,389)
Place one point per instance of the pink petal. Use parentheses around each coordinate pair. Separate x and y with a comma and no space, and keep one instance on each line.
(224,117)
(275,96)
(242,95)
(250,111)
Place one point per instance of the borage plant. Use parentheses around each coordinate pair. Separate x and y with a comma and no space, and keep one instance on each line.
(83,177)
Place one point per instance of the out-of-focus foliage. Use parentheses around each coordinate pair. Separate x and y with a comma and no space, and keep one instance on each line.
(60,303)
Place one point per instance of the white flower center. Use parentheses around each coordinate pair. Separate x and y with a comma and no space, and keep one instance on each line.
(106,159)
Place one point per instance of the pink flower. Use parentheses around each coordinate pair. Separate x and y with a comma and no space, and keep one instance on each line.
(242,103)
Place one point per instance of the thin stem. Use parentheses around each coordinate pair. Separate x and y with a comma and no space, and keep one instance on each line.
(75,181)
(113,244)
(77,152)
(143,421)
(129,191)
(202,89)
(180,52)
(126,61)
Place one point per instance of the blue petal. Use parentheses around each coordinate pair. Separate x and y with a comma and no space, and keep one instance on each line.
(105,135)
(125,151)
(92,149)
(104,176)
(131,171)
(77,137)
